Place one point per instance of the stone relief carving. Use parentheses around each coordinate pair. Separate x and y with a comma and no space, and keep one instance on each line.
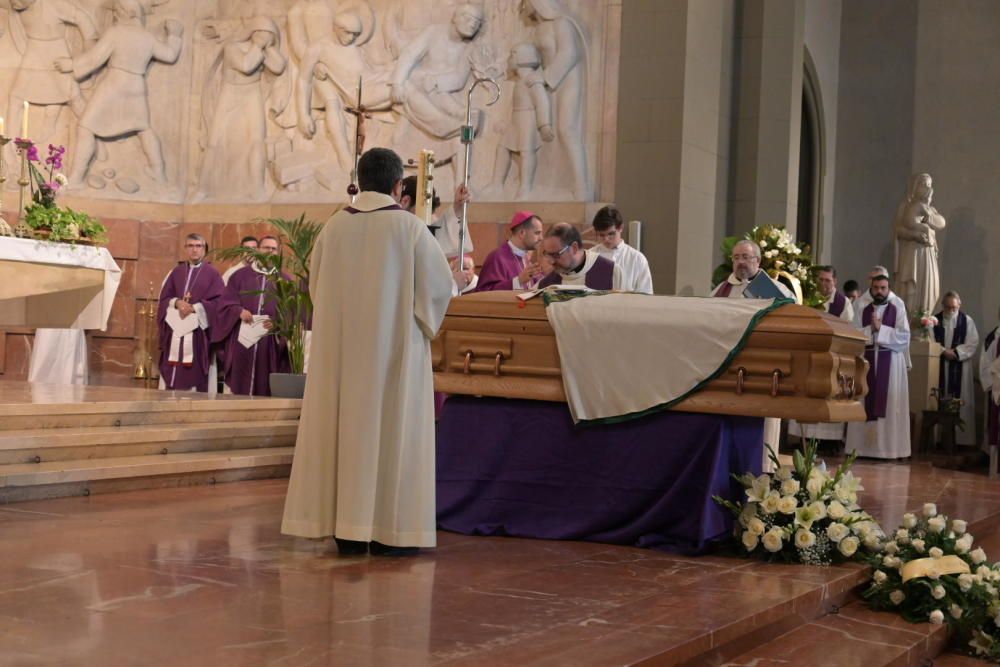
(916,226)
(253,99)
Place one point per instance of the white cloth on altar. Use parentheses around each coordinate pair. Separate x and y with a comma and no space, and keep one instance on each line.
(632,264)
(59,356)
(887,437)
(662,348)
(58,285)
(824,430)
(364,458)
(966,352)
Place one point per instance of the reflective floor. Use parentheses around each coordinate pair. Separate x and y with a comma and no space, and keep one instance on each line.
(202,576)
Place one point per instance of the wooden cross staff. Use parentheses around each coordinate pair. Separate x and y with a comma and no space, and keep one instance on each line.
(360,114)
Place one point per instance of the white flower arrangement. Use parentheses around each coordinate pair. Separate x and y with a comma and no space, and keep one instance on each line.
(803,514)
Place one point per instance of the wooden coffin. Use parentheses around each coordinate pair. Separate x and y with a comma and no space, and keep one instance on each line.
(799,363)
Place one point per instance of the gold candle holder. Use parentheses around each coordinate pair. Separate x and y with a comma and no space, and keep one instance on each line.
(22,229)
(146,370)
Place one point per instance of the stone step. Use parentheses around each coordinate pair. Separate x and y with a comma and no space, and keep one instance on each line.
(65,478)
(854,636)
(64,444)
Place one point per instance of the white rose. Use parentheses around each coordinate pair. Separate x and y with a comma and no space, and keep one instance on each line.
(756,526)
(962,545)
(897,597)
(902,536)
(790,487)
(837,531)
(918,545)
(936,524)
(956,611)
(872,544)
(890,561)
(930,509)
(848,546)
(836,511)
(770,504)
(772,540)
(763,243)
(935,552)
(936,617)
(938,592)
(804,538)
(983,571)
(965,582)
(880,577)
(978,555)
(783,473)
(909,520)
(891,548)
(959,526)
(750,539)
(787,505)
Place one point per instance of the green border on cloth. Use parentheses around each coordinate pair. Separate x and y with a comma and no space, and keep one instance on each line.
(760,314)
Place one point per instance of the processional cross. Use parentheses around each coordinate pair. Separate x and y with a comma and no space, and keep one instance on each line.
(360,113)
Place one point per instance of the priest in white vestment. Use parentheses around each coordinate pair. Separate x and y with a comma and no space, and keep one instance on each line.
(746,267)
(59,356)
(957,333)
(881,316)
(608,224)
(363,469)
(837,304)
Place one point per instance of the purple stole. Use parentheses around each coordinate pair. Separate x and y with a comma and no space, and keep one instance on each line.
(837,305)
(726,288)
(878,380)
(993,414)
(601,276)
(950,373)
(248,370)
(390,207)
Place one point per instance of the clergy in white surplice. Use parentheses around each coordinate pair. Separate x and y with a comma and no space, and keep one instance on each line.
(881,316)
(363,469)
(989,365)
(608,224)
(956,332)
(838,305)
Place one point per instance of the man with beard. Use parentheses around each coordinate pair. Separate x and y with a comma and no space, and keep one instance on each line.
(957,333)
(572,265)
(881,316)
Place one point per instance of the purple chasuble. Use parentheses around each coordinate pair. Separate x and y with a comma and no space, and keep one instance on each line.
(499,270)
(248,370)
(837,304)
(878,373)
(950,372)
(601,276)
(204,285)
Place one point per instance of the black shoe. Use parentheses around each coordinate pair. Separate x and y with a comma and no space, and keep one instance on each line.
(351,547)
(379,549)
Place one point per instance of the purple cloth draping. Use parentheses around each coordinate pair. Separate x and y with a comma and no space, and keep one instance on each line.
(521,468)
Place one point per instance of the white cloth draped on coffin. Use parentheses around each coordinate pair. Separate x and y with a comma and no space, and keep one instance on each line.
(623,354)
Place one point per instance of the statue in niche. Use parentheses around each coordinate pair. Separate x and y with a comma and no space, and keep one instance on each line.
(120,104)
(40,30)
(434,67)
(915,227)
(339,63)
(563,47)
(235,159)
(530,121)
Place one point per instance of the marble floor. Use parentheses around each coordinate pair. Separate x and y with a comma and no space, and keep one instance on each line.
(202,576)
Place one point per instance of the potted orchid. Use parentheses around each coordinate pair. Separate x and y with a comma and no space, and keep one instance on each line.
(48,220)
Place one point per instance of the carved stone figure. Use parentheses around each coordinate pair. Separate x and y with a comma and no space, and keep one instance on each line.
(915,228)
(563,47)
(235,159)
(40,31)
(119,105)
(530,121)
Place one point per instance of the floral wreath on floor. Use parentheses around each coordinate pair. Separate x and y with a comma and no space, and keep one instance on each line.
(802,514)
(781,258)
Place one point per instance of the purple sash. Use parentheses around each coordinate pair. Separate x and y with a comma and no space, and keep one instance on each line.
(878,373)
(950,372)
(390,207)
(837,305)
(601,276)
(993,414)
(727,287)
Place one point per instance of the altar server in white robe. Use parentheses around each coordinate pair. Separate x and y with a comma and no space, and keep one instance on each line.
(838,305)
(746,266)
(881,316)
(989,365)
(608,224)
(363,469)
(957,333)
(59,356)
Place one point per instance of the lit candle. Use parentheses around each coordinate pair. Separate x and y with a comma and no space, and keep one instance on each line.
(3,132)
(24,121)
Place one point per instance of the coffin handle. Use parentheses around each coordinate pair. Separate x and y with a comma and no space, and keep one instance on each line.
(496,364)
(775,382)
(468,362)
(740,376)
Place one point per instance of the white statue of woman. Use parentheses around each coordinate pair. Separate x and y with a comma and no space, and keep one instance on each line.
(235,162)
(915,227)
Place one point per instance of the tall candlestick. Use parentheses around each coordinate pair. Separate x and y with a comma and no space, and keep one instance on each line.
(2,128)
(24,121)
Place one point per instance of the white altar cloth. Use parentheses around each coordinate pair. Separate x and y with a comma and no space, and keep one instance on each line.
(56,285)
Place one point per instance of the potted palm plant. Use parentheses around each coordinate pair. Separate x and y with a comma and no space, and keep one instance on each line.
(289,291)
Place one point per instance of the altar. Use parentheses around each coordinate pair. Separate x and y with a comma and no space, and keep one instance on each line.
(56,285)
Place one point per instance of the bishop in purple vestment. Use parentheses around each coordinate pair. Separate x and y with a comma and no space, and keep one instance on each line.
(509,267)
(194,289)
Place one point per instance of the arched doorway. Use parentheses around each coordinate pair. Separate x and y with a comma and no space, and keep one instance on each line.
(812,152)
